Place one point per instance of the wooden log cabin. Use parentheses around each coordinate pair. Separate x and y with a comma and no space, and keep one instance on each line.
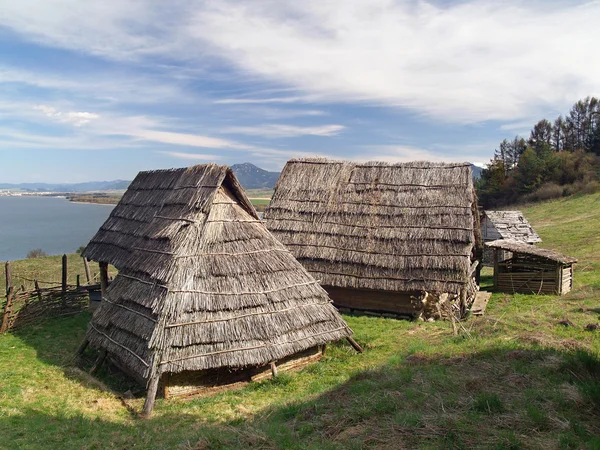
(391,239)
(206,298)
(530,270)
(505,225)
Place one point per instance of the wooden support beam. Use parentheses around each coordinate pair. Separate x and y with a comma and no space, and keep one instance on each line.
(354,344)
(273,369)
(150,397)
(82,347)
(99,362)
(103,277)
(86,266)
(323,349)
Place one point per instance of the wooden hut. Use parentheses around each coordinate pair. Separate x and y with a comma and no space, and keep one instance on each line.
(399,239)
(530,270)
(505,225)
(205,297)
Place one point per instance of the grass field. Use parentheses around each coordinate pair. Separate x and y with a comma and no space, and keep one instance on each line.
(525,375)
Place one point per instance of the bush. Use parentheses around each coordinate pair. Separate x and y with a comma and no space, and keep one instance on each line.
(80,250)
(548,191)
(36,253)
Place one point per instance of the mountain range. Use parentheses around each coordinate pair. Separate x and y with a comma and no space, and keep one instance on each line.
(249,175)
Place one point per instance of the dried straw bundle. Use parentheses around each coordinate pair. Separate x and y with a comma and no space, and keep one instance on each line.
(202,283)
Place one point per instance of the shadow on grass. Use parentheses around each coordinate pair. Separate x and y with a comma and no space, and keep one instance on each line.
(502,397)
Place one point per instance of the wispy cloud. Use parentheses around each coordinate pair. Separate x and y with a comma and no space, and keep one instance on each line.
(77,118)
(281,131)
(190,156)
(245,101)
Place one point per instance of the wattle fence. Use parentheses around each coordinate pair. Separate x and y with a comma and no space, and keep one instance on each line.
(29,306)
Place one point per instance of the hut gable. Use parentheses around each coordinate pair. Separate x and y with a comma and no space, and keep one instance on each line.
(520,247)
(508,225)
(202,284)
(389,227)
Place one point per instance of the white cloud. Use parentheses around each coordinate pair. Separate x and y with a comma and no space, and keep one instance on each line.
(464,61)
(190,156)
(72,117)
(281,131)
(404,153)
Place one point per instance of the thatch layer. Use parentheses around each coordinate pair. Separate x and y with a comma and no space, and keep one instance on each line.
(509,225)
(398,227)
(202,283)
(521,247)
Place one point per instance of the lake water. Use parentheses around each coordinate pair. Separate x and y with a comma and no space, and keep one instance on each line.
(55,225)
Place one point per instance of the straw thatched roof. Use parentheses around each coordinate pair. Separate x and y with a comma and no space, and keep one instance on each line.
(521,247)
(391,227)
(509,225)
(202,283)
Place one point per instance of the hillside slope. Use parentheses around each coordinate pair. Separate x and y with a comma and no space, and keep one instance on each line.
(525,375)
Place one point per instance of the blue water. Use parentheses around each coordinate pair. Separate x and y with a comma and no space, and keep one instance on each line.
(55,225)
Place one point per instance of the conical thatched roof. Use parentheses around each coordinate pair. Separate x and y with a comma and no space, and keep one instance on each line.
(390,227)
(510,225)
(202,283)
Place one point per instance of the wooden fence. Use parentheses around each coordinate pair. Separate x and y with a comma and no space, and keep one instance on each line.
(28,306)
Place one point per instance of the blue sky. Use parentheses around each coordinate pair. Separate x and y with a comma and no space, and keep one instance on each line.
(101,90)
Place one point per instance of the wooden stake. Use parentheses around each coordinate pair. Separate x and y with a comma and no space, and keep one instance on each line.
(82,347)
(323,349)
(38,290)
(64,279)
(354,344)
(150,397)
(103,277)
(78,284)
(273,369)
(9,296)
(86,266)
(99,362)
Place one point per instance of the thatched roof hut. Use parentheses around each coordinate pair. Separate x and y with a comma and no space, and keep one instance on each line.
(530,270)
(202,284)
(381,236)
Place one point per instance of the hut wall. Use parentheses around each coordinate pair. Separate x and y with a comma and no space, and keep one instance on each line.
(206,382)
(528,274)
(397,303)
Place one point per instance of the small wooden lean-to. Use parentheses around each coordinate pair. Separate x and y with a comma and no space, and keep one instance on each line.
(399,239)
(510,225)
(523,268)
(205,297)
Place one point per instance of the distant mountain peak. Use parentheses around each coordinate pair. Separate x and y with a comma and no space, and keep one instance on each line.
(253,177)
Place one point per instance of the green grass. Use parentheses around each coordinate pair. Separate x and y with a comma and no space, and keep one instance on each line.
(47,269)
(511,379)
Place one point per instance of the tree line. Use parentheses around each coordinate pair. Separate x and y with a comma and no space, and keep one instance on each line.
(559,158)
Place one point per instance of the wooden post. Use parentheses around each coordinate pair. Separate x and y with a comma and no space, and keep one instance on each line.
(82,347)
(38,290)
(78,284)
(99,361)
(273,369)
(64,279)
(103,278)
(354,344)
(9,297)
(86,266)
(323,349)
(496,268)
(150,396)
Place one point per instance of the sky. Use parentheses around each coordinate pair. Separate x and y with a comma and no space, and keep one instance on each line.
(95,90)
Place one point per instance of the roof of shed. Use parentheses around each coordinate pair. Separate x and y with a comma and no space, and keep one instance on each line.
(392,227)
(513,225)
(521,247)
(202,283)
